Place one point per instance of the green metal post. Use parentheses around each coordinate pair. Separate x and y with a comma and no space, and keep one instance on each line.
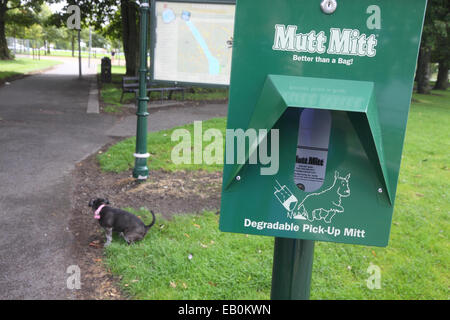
(79,53)
(292,267)
(140,170)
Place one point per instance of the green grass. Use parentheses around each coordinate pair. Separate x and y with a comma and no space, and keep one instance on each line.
(84,54)
(119,157)
(415,264)
(223,265)
(110,92)
(19,66)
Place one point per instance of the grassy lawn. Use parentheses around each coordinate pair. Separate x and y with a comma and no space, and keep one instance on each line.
(84,54)
(10,68)
(110,92)
(53,53)
(120,156)
(189,258)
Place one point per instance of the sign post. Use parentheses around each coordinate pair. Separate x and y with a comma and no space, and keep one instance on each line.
(90,46)
(292,269)
(319,99)
(74,22)
(140,170)
(79,53)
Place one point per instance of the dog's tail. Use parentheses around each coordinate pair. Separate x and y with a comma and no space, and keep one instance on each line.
(152,223)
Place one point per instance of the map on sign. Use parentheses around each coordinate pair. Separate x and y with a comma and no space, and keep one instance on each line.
(193,42)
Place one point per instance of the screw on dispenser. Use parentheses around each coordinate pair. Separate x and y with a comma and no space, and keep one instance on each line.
(328,6)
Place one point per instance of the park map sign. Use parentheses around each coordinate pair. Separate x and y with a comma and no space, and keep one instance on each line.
(192,42)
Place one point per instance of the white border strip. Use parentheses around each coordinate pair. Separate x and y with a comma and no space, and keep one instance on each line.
(141,155)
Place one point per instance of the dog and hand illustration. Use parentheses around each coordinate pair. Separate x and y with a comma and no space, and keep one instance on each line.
(316,206)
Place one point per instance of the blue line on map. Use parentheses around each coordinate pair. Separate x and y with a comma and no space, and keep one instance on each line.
(214,66)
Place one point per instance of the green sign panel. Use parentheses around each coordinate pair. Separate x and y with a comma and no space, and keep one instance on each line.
(326,93)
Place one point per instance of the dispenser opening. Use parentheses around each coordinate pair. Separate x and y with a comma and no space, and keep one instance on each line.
(312,149)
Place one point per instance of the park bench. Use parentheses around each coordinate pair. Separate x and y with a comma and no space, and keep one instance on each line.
(131,84)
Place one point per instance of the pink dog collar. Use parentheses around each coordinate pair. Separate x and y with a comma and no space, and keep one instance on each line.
(97,212)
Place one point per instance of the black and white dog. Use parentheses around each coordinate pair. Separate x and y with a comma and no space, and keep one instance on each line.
(130,227)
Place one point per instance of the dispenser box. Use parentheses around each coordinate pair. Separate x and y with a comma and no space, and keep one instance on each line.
(320,97)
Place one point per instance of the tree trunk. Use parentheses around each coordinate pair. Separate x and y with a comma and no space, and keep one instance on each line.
(423,71)
(4,51)
(130,36)
(442,78)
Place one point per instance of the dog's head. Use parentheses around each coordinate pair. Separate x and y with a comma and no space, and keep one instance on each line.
(95,203)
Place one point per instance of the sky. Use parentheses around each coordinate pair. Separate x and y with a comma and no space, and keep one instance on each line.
(56,7)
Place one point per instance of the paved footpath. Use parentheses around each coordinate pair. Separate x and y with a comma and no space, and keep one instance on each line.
(44,131)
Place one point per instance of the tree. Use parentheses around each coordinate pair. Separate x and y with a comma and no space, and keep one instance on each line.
(442,78)
(434,38)
(426,44)
(27,24)
(102,13)
(441,52)
(24,8)
(423,68)
(130,35)
(49,32)
(98,40)
(18,22)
